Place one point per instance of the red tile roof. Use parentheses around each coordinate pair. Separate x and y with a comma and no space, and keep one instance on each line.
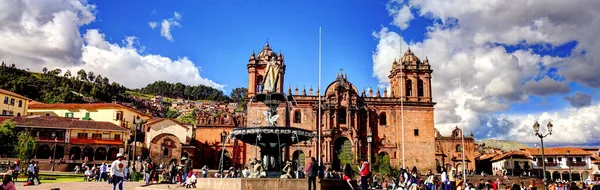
(556,151)
(82,106)
(512,154)
(65,123)
(13,94)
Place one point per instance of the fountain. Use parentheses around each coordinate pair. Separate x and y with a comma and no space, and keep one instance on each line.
(271,139)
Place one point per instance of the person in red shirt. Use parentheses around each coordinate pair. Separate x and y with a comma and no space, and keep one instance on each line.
(364,175)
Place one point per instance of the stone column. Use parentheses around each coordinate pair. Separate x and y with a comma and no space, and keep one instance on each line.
(414,89)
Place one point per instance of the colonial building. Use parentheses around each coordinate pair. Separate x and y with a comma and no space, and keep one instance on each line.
(213,128)
(72,138)
(110,112)
(168,139)
(449,150)
(565,163)
(349,116)
(13,104)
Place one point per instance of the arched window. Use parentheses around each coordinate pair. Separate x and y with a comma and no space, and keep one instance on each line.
(342,116)
(408,87)
(166,151)
(297,116)
(458,148)
(420,88)
(382,119)
(259,80)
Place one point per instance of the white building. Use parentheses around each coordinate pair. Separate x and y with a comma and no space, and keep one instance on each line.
(566,163)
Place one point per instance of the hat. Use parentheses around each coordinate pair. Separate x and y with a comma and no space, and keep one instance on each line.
(184,158)
(196,173)
(119,155)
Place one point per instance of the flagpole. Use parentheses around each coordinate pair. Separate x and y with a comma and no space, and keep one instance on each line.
(462,135)
(402,103)
(319,94)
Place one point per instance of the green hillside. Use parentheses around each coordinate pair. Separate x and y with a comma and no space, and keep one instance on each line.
(502,144)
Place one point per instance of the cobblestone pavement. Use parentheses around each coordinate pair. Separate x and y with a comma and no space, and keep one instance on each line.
(78,186)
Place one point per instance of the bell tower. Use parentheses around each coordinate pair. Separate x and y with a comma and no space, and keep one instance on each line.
(410,78)
(257,68)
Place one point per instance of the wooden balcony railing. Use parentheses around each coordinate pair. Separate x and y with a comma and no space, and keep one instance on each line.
(548,164)
(576,164)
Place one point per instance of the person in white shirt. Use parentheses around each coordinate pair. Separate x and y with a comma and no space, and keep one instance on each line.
(118,172)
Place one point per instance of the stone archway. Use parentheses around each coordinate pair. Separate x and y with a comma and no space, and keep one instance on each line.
(162,142)
(100,153)
(555,175)
(342,149)
(299,158)
(88,152)
(565,175)
(112,153)
(576,176)
(60,152)
(75,153)
(43,152)
(585,175)
(382,162)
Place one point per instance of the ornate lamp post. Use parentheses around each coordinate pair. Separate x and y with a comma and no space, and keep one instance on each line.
(54,154)
(569,165)
(536,128)
(370,140)
(138,122)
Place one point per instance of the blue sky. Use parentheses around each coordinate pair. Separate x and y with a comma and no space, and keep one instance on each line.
(521,61)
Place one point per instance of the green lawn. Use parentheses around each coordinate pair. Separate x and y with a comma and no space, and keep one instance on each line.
(55,178)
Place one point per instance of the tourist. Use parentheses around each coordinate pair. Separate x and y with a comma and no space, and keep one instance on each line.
(191,181)
(364,171)
(36,173)
(187,167)
(102,174)
(7,183)
(429,180)
(147,171)
(452,178)
(127,174)
(30,172)
(348,175)
(173,171)
(532,185)
(311,172)
(205,171)
(444,179)
(117,169)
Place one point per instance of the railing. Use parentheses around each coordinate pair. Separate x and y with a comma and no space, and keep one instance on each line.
(50,139)
(548,164)
(576,164)
(92,138)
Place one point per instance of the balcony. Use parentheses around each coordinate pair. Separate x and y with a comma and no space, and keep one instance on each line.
(548,164)
(576,163)
(50,139)
(102,141)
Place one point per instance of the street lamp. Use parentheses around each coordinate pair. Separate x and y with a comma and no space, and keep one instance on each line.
(370,140)
(54,154)
(569,164)
(536,128)
(138,122)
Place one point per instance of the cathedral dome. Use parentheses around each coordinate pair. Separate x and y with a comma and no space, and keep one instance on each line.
(266,52)
(410,58)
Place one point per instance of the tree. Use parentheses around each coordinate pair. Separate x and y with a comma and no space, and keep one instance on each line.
(25,147)
(44,70)
(91,76)
(172,114)
(8,138)
(382,164)
(82,75)
(67,74)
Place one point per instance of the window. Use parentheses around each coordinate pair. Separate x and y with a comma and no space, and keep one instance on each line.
(5,99)
(96,135)
(69,114)
(578,159)
(12,101)
(420,88)
(458,148)
(408,87)
(166,152)
(550,159)
(342,117)
(20,103)
(119,116)
(87,116)
(10,113)
(534,159)
(416,132)
(297,116)
(560,159)
(4,112)
(117,137)
(382,119)
(82,135)
(259,80)
(18,114)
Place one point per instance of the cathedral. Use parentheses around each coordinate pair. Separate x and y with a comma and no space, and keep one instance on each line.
(358,123)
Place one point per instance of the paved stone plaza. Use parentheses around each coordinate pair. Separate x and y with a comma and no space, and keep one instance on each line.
(78,186)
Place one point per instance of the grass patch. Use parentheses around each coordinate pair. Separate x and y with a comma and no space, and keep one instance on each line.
(54,178)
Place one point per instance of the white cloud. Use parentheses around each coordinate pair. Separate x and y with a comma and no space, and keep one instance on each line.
(36,34)
(167,24)
(492,78)
(152,24)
